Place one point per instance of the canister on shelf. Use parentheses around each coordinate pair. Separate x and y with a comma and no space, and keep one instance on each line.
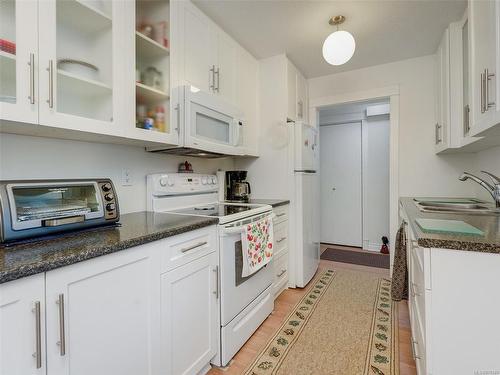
(153,78)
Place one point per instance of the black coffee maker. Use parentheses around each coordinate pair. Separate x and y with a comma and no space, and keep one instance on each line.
(237,189)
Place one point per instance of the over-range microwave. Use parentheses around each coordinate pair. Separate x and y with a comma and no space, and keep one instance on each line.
(33,208)
(209,125)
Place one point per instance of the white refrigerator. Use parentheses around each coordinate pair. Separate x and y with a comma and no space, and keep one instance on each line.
(307,205)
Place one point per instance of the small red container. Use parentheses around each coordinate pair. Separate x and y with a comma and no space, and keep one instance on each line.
(7,46)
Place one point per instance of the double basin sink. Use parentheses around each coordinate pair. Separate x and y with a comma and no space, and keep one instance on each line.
(456,205)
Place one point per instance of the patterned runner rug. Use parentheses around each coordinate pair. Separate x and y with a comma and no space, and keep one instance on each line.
(346,324)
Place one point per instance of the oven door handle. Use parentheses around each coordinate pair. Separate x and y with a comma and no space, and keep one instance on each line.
(241,228)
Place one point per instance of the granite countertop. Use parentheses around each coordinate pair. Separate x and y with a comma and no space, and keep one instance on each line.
(25,259)
(271,202)
(489,224)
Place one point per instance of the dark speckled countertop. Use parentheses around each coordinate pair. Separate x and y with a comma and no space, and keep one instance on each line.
(489,224)
(271,202)
(25,259)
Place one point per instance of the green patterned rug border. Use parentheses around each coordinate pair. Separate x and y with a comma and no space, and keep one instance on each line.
(270,358)
(382,357)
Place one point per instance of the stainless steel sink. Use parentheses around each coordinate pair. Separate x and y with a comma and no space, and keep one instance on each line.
(455,206)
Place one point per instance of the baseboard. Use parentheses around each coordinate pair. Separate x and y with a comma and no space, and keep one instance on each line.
(370,246)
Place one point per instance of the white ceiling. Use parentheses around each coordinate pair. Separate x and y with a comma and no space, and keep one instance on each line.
(385,30)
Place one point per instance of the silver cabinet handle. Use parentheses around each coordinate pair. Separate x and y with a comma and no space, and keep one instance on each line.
(280,215)
(487,78)
(38,335)
(301,109)
(413,349)
(466,119)
(50,69)
(481,99)
(62,333)
(217,88)
(178,109)
(31,64)
(281,273)
(436,133)
(212,85)
(216,291)
(281,239)
(189,248)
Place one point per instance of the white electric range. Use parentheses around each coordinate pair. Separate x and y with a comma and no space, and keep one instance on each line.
(244,302)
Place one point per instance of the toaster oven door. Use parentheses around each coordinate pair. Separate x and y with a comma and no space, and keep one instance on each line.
(35,205)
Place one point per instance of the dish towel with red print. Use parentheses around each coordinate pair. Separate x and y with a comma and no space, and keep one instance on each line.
(257,245)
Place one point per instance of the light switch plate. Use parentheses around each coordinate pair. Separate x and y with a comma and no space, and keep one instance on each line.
(127,177)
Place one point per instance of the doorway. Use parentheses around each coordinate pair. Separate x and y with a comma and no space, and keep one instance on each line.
(355,174)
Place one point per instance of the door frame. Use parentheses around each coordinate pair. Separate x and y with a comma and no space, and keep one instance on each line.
(392,93)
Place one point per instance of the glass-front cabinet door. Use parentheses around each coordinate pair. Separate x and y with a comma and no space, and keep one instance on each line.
(153,107)
(80,64)
(19,60)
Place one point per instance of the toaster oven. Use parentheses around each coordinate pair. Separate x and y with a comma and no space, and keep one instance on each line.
(33,208)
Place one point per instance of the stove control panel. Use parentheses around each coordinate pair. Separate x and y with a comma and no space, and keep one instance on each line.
(181,183)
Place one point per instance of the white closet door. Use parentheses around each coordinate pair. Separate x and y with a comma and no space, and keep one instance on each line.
(341,194)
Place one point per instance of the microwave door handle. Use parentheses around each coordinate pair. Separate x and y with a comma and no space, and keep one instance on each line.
(236,133)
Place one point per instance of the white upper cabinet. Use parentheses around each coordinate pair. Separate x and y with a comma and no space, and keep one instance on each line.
(297,94)
(247,83)
(152,106)
(22,326)
(197,66)
(19,61)
(484,23)
(209,55)
(80,76)
(442,125)
(225,66)
(302,98)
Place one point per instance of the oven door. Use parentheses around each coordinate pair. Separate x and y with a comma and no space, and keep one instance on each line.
(238,292)
(211,124)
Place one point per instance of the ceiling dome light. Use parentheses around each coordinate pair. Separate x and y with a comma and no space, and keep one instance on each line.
(339,46)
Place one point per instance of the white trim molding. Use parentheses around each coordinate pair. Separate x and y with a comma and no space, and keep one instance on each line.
(392,93)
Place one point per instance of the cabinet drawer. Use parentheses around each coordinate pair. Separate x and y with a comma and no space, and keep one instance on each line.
(280,274)
(418,345)
(280,238)
(281,214)
(188,246)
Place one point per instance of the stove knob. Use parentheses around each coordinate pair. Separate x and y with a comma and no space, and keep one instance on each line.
(109,197)
(110,207)
(170,181)
(163,181)
(106,186)
(204,180)
(214,180)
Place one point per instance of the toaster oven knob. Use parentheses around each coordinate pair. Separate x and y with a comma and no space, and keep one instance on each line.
(106,186)
(163,181)
(109,197)
(204,181)
(110,207)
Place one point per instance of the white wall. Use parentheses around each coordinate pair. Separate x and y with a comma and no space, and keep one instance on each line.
(421,172)
(23,157)
(487,160)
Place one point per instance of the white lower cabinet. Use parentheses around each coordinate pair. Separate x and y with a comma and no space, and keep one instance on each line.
(189,329)
(116,314)
(280,255)
(22,326)
(453,303)
(102,315)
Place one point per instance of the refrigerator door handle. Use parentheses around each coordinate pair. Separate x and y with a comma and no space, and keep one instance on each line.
(304,171)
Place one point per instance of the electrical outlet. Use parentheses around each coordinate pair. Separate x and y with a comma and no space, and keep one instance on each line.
(126,177)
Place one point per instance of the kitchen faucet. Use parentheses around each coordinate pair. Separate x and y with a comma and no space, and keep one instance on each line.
(494,189)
